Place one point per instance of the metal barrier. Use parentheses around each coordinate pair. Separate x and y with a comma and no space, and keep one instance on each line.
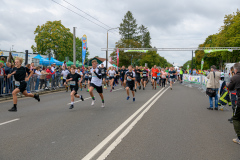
(35,84)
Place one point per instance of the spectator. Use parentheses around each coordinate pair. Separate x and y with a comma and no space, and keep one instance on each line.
(43,79)
(2,74)
(213,82)
(235,85)
(32,67)
(38,74)
(28,70)
(2,60)
(8,86)
(64,64)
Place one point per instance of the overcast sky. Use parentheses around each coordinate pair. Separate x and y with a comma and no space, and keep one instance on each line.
(182,23)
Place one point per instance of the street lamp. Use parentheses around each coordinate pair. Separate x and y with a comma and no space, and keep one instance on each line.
(107,46)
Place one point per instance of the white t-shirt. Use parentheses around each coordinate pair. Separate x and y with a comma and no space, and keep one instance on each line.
(111,73)
(65,73)
(222,74)
(95,80)
(53,68)
(38,73)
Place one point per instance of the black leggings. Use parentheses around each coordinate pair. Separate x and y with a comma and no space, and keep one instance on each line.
(163,82)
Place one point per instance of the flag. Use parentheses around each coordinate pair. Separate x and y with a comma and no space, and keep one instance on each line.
(202,62)
(84,49)
(117,57)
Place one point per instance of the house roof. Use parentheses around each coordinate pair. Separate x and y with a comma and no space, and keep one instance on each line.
(99,59)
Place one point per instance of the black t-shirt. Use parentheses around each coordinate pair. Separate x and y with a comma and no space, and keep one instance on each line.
(132,75)
(28,70)
(103,70)
(75,78)
(172,74)
(144,73)
(122,72)
(20,73)
(137,72)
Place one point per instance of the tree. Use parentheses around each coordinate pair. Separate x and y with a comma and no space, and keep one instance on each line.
(144,37)
(128,28)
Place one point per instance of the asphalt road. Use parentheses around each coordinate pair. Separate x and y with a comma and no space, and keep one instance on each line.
(161,124)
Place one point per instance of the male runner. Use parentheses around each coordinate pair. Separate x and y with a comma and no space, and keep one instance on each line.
(96,82)
(64,73)
(130,81)
(154,72)
(111,74)
(104,75)
(145,78)
(122,74)
(89,78)
(138,79)
(74,78)
(171,74)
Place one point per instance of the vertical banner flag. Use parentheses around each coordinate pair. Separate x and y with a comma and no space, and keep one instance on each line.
(84,49)
(110,59)
(202,62)
(117,57)
(188,68)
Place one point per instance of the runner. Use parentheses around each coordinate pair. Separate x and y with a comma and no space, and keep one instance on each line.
(74,78)
(96,82)
(89,78)
(154,73)
(181,75)
(122,76)
(145,78)
(130,82)
(107,79)
(171,74)
(81,80)
(86,77)
(104,75)
(167,78)
(21,79)
(138,79)
(111,74)
(163,77)
(64,73)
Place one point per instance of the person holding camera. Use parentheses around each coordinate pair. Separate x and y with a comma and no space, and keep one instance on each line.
(212,87)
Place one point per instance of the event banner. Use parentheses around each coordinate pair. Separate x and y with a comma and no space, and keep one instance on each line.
(142,51)
(216,50)
(117,57)
(84,48)
(192,79)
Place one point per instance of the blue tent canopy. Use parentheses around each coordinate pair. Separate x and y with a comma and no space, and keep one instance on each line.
(52,60)
(38,57)
(42,61)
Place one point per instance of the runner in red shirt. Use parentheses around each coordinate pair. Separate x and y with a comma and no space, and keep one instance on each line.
(154,72)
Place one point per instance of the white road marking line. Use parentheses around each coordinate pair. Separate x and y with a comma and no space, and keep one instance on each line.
(92,153)
(9,121)
(117,89)
(127,130)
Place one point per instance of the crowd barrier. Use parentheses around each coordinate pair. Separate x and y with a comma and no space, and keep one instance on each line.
(35,84)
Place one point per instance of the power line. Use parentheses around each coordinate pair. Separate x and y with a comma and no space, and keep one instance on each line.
(81,16)
(85,13)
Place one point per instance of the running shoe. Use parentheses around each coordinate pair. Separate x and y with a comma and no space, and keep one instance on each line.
(71,107)
(143,88)
(135,90)
(13,109)
(133,99)
(128,98)
(103,105)
(36,96)
(139,87)
(209,108)
(81,97)
(111,90)
(93,101)
(236,140)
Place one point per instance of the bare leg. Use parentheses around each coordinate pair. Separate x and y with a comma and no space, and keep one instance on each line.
(127,89)
(133,93)
(28,94)
(91,91)
(14,94)
(101,95)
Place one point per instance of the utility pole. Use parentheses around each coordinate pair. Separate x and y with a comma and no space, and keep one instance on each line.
(74,46)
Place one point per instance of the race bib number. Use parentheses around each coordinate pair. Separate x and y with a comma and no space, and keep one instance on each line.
(171,74)
(17,83)
(144,75)
(129,79)
(154,77)
(72,83)
(94,75)
(107,76)
(103,72)
(90,76)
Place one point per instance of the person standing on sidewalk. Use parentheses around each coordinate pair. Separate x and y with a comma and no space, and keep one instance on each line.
(213,82)
(235,85)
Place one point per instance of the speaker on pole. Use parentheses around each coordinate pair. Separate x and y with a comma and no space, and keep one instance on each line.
(26,57)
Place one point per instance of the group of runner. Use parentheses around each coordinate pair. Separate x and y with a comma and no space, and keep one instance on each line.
(94,77)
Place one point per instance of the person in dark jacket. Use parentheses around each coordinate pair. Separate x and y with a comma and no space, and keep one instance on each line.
(235,85)
(8,81)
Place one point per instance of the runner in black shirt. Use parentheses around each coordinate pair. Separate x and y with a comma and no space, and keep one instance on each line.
(20,75)
(130,75)
(104,75)
(138,78)
(122,76)
(171,74)
(74,78)
(145,77)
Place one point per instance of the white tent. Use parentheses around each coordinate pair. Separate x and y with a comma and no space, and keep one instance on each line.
(104,63)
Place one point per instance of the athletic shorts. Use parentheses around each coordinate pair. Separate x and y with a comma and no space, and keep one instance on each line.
(110,78)
(104,76)
(98,88)
(171,79)
(138,79)
(74,89)
(64,80)
(86,79)
(22,87)
(122,79)
(89,79)
(145,78)
(130,85)
(154,78)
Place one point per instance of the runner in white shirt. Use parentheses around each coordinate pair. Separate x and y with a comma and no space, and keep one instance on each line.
(64,73)
(111,74)
(96,82)
(81,74)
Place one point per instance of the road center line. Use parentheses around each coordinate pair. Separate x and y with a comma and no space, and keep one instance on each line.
(92,153)
(9,121)
(127,130)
